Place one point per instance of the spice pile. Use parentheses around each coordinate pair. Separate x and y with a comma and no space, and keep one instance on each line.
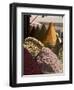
(45,58)
(33,45)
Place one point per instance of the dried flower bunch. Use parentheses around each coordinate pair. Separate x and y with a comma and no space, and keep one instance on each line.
(48,58)
(33,45)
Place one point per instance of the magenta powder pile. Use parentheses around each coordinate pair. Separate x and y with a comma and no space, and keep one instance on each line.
(49,62)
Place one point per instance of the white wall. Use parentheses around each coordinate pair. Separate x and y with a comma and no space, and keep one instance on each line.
(4,43)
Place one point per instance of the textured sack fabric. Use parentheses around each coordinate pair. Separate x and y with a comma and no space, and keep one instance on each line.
(30,65)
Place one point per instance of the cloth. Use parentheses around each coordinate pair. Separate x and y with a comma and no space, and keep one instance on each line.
(30,65)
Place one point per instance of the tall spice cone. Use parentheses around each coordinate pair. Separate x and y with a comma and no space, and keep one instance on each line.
(50,36)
